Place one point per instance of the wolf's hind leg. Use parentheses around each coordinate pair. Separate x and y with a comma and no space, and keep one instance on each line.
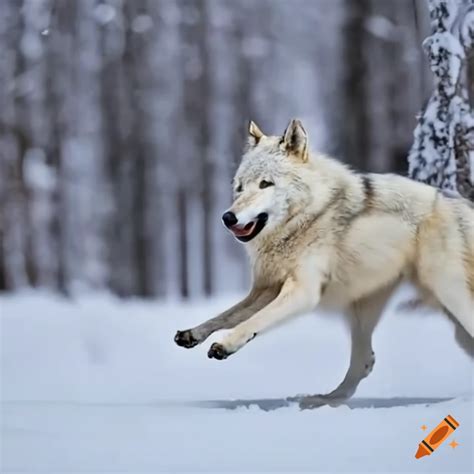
(364,316)
(257,299)
(464,339)
(459,304)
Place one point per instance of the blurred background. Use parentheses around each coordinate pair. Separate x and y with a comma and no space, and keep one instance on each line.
(122,122)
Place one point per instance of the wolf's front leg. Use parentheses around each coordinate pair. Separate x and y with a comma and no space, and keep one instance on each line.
(254,302)
(295,297)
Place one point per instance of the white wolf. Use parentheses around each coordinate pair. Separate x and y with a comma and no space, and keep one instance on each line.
(319,234)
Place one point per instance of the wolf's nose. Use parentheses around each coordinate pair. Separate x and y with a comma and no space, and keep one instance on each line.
(229,219)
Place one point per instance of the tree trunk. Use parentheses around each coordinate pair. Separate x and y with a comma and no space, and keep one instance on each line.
(183,243)
(355,123)
(207,165)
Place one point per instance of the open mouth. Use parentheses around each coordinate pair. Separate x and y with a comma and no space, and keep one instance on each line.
(247,232)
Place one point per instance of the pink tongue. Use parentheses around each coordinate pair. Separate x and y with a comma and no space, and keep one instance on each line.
(245,231)
(248,226)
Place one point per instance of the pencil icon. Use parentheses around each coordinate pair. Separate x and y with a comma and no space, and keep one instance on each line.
(436,437)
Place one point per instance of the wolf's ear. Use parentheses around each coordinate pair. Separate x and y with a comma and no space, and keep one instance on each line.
(255,134)
(295,140)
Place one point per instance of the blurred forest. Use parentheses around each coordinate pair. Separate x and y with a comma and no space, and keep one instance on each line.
(122,122)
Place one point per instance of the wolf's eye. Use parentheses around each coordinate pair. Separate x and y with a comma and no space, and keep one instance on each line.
(265,184)
(239,189)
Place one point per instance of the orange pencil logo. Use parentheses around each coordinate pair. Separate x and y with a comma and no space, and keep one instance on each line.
(436,437)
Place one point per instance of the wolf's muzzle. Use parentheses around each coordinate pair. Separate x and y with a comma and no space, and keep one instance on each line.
(251,229)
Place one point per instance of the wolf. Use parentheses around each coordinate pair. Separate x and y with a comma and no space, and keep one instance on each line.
(319,234)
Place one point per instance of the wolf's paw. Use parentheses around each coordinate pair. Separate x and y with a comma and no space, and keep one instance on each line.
(308,403)
(186,339)
(316,401)
(218,351)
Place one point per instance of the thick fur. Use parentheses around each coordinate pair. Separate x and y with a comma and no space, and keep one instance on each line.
(341,240)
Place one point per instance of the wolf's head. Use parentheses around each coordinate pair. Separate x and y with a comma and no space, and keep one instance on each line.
(268,185)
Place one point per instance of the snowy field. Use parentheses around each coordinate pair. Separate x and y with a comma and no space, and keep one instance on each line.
(99,386)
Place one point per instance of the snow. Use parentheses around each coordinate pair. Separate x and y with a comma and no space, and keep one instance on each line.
(447,118)
(38,175)
(381,27)
(104,13)
(142,23)
(97,385)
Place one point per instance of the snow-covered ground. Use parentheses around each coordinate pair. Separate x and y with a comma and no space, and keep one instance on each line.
(97,385)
